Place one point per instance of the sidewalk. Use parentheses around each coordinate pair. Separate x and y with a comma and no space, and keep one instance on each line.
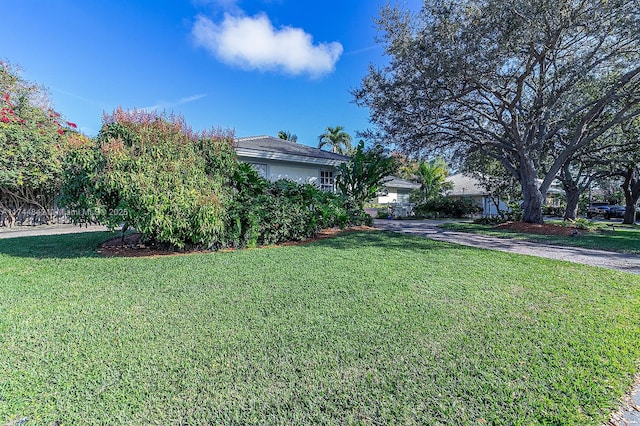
(34,231)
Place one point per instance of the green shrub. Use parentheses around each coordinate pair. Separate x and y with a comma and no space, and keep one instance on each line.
(515,213)
(382,214)
(180,189)
(153,173)
(271,213)
(446,207)
(553,211)
(489,220)
(580,223)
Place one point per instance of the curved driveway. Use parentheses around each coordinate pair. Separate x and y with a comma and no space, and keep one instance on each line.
(429,229)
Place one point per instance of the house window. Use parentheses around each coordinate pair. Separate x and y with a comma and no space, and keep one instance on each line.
(260,168)
(326,180)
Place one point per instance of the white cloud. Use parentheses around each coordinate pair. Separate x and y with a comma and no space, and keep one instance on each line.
(191,99)
(167,105)
(253,43)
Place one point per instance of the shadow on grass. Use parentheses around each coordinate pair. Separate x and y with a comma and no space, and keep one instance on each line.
(385,239)
(84,245)
(66,246)
(620,240)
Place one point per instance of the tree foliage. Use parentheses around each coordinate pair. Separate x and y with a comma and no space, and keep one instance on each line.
(288,136)
(33,139)
(432,177)
(499,184)
(335,138)
(152,172)
(626,165)
(362,176)
(510,80)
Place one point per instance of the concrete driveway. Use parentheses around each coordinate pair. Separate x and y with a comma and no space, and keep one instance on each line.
(429,229)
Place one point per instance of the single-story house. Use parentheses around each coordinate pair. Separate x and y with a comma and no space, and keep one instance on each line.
(275,159)
(470,188)
(396,190)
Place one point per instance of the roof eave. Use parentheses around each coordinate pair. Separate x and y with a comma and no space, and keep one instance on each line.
(267,155)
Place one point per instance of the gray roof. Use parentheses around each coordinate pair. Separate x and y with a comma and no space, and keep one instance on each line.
(281,146)
(465,185)
(468,185)
(396,182)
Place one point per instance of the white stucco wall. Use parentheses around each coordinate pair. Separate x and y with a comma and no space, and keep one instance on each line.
(394,196)
(489,208)
(296,173)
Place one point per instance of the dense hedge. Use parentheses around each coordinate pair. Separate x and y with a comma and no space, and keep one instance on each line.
(181,189)
(446,207)
(152,173)
(274,212)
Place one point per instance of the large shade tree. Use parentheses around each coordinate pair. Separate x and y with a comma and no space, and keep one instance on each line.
(507,80)
(627,166)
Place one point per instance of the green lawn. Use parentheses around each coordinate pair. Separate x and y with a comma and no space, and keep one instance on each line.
(366,328)
(624,239)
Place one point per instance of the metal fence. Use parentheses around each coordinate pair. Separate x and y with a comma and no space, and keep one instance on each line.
(31,215)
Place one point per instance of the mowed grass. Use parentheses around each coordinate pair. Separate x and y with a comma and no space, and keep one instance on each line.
(366,328)
(623,239)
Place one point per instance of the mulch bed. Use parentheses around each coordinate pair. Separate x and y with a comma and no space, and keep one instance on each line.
(536,228)
(133,247)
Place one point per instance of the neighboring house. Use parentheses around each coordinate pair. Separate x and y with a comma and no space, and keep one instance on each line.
(275,159)
(467,187)
(396,190)
(470,188)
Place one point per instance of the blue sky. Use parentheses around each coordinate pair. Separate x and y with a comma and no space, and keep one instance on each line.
(256,66)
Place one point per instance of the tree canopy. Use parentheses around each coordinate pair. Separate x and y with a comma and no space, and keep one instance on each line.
(288,136)
(511,80)
(33,138)
(335,138)
(362,176)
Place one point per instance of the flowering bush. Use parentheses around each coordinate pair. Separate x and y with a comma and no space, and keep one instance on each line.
(183,189)
(154,173)
(32,141)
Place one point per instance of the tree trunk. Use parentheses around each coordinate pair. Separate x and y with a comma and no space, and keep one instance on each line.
(532,197)
(630,215)
(573,197)
(631,189)
(571,190)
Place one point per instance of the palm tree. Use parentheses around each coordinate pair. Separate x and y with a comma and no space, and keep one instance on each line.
(288,136)
(336,138)
(432,177)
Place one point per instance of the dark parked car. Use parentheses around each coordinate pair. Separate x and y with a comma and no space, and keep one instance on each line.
(614,211)
(597,208)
